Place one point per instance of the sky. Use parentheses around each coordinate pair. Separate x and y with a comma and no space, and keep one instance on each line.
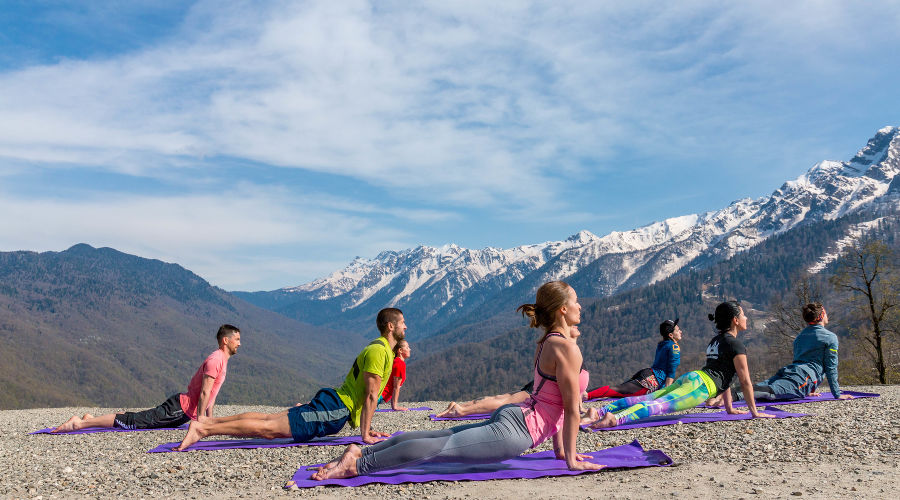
(264,144)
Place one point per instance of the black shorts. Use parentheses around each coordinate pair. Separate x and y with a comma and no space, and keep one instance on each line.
(167,415)
(646,379)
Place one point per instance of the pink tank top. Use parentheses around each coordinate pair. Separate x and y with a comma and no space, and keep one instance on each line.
(544,411)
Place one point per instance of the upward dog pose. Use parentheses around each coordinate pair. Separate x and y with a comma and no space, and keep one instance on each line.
(197,402)
(815,357)
(725,357)
(661,374)
(391,392)
(355,401)
(558,384)
(487,404)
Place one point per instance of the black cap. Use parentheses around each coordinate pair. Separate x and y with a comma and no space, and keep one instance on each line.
(667,326)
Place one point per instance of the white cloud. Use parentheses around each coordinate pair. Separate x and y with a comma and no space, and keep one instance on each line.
(210,235)
(501,108)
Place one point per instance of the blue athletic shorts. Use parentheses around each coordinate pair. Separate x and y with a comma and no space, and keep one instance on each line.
(325,415)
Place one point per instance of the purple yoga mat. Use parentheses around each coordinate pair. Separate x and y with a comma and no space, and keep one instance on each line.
(420,408)
(91,430)
(695,418)
(234,444)
(808,399)
(530,466)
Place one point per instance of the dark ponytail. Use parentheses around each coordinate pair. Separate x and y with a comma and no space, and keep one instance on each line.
(725,312)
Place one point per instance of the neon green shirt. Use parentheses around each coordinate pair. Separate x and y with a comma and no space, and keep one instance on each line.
(376,358)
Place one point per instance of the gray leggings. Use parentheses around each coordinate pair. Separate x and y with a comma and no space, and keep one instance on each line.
(501,437)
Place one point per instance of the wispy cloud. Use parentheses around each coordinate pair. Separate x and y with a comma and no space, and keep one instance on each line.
(459,113)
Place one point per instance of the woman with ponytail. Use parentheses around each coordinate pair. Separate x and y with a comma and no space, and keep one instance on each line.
(513,428)
(725,358)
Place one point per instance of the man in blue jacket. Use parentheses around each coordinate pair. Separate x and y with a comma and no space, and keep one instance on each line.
(815,359)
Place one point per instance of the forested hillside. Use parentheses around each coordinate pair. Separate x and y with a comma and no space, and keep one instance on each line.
(99,327)
(619,333)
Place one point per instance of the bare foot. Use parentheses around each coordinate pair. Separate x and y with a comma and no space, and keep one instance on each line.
(68,425)
(195,433)
(86,416)
(608,420)
(329,465)
(717,401)
(453,410)
(346,466)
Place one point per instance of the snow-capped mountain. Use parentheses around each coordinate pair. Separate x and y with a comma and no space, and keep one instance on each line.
(441,283)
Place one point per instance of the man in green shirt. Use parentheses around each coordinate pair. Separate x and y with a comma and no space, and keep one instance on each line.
(354,401)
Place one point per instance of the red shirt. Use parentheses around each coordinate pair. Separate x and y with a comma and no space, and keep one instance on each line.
(215,366)
(398,370)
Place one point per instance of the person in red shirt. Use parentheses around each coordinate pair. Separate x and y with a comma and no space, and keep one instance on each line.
(196,403)
(391,393)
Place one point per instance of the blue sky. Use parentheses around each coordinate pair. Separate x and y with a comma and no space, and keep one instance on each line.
(265,144)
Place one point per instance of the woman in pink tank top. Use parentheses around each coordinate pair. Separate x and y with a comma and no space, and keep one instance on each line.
(552,411)
(559,378)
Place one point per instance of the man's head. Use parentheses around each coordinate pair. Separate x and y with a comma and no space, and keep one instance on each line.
(230,337)
(390,322)
(814,313)
(669,330)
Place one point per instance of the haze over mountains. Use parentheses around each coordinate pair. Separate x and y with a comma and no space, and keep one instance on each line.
(97,326)
(451,285)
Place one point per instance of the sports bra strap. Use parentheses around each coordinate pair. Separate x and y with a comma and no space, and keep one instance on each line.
(537,358)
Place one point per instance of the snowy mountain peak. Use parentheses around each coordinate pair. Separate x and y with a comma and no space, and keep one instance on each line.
(876,149)
(439,282)
(582,237)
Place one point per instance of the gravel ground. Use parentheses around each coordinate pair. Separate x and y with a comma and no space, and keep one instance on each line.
(848,449)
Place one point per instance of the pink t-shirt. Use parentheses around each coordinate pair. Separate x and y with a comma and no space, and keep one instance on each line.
(215,366)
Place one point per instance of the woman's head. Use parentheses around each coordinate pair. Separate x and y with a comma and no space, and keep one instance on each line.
(402,350)
(814,313)
(727,315)
(555,299)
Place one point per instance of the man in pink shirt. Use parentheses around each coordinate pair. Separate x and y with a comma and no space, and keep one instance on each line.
(196,403)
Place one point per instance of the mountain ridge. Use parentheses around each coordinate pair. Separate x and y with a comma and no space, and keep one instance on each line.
(441,283)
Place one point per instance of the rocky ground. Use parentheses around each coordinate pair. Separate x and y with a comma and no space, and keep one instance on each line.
(849,449)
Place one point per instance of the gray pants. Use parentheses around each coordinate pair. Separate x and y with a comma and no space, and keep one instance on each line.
(501,437)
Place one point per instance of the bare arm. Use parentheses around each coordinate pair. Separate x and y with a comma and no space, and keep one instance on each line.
(203,399)
(743,373)
(395,399)
(568,367)
(373,384)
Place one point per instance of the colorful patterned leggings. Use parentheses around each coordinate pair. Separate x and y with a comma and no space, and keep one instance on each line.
(688,391)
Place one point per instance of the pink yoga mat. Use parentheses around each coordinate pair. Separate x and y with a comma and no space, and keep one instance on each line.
(529,466)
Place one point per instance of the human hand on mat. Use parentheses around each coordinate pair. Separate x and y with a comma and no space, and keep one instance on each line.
(582,462)
(373,437)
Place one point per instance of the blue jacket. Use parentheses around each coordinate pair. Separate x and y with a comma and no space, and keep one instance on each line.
(817,348)
(668,357)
